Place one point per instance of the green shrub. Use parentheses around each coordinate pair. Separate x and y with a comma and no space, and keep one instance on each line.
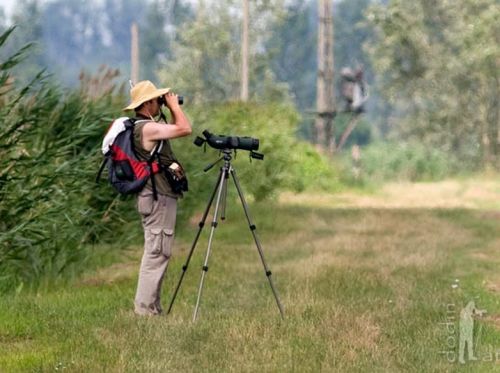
(391,161)
(311,170)
(50,209)
(287,164)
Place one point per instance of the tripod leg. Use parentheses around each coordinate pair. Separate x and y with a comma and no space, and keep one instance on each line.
(201,225)
(222,182)
(224,198)
(256,239)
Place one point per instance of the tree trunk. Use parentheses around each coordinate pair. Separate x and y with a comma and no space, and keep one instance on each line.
(244,53)
(325,105)
(134,54)
(495,108)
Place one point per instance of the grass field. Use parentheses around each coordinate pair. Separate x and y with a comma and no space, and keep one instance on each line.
(367,282)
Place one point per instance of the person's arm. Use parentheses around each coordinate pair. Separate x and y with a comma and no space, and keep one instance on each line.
(180,127)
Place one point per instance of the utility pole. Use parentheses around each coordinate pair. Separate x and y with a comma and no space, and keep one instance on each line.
(325,104)
(244,53)
(134,54)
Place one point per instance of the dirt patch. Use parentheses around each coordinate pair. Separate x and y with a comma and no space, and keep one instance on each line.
(493,286)
(361,334)
(445,194)
(382,240)
(493,320)
(491,215)
(113,274)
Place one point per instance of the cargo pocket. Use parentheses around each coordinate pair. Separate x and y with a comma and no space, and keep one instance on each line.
(167,241)
(145,204)
(154,238)
(159,241)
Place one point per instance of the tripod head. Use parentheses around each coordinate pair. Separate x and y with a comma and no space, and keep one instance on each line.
(228,156)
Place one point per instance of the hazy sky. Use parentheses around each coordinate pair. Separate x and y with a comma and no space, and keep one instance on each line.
(7,5)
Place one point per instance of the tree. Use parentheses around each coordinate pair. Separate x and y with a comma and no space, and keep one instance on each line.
(205,63)
(351,32)
(292,48)
(162,26)
(439,67)
(244,52)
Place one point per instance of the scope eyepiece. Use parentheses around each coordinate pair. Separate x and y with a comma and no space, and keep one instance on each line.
(198,141)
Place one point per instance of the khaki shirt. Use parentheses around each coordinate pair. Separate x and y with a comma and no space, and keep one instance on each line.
(166,157)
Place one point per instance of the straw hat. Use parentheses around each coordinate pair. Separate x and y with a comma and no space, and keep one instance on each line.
(143,92)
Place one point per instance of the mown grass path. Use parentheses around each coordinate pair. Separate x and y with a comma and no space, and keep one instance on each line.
(367,285)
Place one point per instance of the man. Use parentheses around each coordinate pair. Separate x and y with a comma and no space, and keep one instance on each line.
(467,331)
(353,89)
(158,216)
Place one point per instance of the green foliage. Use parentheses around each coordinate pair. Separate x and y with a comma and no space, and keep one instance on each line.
(50,209)
(155,41)
(288,164)
(351,32)
(205,60)
(205,63)
(292,48)
(437,63)
(311,170)
(399,161)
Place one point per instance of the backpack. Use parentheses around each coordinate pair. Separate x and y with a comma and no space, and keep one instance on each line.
(126,172)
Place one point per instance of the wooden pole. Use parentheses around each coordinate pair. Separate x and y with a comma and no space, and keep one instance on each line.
(244,53)
(325,105)
(134,54)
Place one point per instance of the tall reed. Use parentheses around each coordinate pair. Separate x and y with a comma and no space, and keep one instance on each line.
(50,211)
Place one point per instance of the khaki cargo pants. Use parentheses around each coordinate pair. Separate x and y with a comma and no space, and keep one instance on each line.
(158,221)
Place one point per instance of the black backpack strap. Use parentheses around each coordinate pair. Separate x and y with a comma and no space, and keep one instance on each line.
(154,154)
(101,169)
(153,184)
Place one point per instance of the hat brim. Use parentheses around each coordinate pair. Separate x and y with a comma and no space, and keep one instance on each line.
(140,100)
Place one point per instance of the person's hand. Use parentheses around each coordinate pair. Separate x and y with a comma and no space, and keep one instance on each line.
(480,313)
(171,100)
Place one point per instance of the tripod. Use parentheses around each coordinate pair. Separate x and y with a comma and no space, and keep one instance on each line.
(221,191)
